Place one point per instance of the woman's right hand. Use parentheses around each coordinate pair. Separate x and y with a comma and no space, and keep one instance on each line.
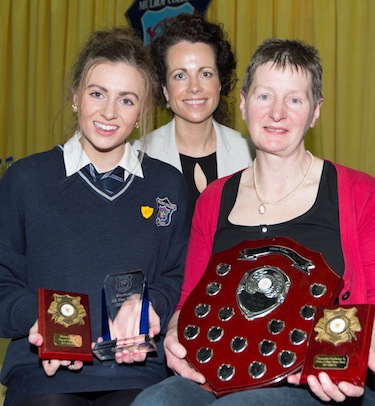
(51,366)
(176,354)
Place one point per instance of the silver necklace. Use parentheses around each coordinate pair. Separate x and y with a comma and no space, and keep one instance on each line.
(263,202)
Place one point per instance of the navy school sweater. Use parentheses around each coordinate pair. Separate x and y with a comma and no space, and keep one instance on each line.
(60,233)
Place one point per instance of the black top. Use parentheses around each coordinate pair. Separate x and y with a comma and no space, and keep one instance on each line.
(209,168)
(318,229)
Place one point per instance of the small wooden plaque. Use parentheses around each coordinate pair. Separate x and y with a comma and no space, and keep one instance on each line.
(339,343)
(64,323)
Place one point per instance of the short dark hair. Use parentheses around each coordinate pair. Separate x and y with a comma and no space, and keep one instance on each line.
(195,28)
(283,53)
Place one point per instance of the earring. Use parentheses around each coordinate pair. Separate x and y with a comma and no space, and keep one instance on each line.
(74,108)
(136,124)
(167,106)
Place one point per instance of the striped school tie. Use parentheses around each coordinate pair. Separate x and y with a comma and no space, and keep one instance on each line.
(109,182)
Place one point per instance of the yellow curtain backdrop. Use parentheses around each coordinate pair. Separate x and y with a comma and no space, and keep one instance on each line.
(40,38)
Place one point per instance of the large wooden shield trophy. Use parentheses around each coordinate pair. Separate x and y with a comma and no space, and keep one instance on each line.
(247,322)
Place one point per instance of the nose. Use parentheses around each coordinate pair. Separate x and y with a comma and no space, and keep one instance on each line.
(109,111)
(278,110)
(194,85)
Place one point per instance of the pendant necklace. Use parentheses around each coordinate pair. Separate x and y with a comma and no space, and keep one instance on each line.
(263,202)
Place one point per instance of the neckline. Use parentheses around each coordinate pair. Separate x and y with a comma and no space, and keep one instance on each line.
(309,212)
(197,158)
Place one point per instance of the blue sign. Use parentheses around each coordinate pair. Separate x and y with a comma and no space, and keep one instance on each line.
(145,16)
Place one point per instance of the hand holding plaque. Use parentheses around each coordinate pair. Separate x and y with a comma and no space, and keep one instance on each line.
(125,316)
(64,323)
(339,343)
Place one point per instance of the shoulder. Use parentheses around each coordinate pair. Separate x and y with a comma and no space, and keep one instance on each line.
(353,177)
(163,130)
(34,170)
(163,171)
(355,190)
(39,162)
(233,135)
(153,138)
(232,140)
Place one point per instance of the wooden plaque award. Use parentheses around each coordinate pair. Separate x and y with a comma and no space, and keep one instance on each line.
(246,323)
(64,323)
(339,343)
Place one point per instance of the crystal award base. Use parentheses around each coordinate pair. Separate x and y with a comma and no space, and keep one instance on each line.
(107,350)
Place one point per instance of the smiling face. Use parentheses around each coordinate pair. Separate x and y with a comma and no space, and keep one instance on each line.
(279,108)
(193,85)
(108,107)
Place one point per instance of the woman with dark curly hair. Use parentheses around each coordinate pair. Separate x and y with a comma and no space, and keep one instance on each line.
(196,66)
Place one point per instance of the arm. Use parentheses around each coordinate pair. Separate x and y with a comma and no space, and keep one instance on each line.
(358,242)
(201,237)
(18,304)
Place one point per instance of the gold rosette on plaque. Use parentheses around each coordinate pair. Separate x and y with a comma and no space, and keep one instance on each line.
(338,326)
(67,310)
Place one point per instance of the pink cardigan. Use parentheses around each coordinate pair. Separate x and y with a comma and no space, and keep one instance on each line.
(356,196)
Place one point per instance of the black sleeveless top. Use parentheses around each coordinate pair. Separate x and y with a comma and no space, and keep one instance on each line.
(209,167)
(318,229)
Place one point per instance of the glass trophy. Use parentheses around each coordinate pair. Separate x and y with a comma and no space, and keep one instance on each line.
(118,293)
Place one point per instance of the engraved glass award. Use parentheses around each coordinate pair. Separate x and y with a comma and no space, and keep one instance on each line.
(121,292)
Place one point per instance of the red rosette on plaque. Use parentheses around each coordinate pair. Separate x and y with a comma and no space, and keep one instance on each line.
(64,323)
(246,324)
(339,343)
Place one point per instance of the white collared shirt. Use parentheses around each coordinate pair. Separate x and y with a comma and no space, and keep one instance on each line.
(75,158)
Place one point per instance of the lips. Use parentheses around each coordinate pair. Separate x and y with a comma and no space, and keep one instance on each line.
(276,130)
(105,127)
(195,101)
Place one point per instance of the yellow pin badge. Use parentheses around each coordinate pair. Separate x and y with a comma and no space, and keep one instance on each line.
(147,211)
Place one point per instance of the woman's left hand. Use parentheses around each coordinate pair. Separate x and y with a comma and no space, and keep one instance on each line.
(326,390)
(51,366)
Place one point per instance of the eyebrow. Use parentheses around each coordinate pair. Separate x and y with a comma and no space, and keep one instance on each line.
(199,69)
(103,89)
(270,88)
